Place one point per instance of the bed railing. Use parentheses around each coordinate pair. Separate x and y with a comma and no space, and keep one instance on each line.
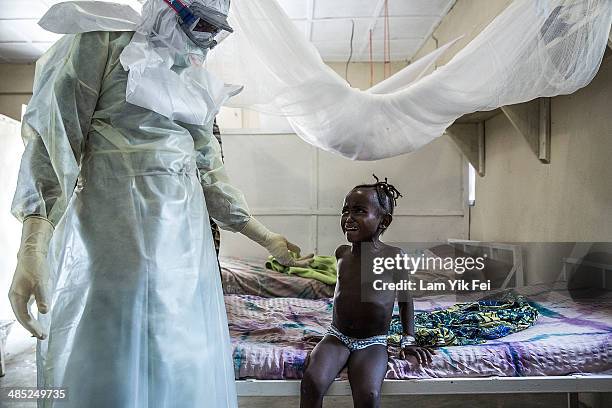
(497,251)
(437,386)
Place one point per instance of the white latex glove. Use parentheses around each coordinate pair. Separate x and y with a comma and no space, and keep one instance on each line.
(31,279)
(276,244)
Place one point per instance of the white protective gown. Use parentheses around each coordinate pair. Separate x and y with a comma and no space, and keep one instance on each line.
(137,317)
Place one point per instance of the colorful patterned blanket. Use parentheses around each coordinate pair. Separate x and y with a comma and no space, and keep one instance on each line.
(469,323)
(272,336)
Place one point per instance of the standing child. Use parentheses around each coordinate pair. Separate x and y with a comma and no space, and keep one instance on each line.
(357,337)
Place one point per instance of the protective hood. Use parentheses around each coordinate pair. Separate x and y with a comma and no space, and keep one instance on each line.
(75,17)
(166,72)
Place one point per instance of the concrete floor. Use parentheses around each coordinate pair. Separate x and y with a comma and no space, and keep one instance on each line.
(21,372)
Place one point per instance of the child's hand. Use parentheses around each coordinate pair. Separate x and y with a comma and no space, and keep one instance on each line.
(422,354)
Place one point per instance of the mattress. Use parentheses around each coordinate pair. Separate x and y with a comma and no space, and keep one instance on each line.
(246,277)
(271,338)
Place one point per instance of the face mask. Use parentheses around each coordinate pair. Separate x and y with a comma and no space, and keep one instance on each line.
(192,56)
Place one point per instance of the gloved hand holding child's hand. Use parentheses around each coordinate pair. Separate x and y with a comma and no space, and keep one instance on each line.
(281,249)
(277,245)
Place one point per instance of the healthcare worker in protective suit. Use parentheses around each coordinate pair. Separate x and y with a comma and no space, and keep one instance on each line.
(119,175)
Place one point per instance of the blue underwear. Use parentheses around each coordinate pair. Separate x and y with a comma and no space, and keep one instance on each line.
(357,344)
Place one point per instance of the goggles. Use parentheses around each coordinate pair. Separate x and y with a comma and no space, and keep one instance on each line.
(201,24)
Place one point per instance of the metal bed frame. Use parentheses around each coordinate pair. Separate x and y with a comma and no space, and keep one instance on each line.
(571,385)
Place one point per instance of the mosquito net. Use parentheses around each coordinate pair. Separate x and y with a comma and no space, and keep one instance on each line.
(532,49)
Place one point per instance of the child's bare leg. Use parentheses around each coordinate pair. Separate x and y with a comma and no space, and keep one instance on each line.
(366,371)
(325,362)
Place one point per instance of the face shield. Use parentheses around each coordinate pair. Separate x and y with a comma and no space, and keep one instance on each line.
(202,22)
(165,65)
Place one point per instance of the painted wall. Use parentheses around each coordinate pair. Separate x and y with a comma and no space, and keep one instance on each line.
(569,199)
(298,190)
(467,18)
(520,199)
(15,88)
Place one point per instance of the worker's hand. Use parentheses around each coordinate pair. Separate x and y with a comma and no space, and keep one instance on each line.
(31,279)
(277,245)
(281,249)
(422,354)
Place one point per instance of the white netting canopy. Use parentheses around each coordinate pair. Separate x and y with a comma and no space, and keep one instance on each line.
(532,49)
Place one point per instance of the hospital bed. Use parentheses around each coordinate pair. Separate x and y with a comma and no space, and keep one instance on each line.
(567,351)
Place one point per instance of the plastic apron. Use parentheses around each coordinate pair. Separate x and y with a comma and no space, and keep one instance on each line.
(137,316)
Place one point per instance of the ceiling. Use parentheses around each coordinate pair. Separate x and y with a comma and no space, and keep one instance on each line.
(328,24)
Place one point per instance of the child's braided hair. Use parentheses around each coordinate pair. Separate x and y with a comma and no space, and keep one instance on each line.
(387,193)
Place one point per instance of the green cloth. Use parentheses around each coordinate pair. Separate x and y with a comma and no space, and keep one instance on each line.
(321,268)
